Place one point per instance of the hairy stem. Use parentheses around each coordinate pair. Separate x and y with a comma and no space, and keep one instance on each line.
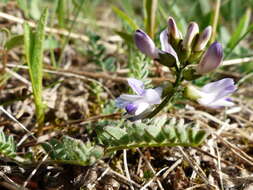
(169,97)
(129,146)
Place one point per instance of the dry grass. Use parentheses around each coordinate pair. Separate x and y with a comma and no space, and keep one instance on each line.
(224,161)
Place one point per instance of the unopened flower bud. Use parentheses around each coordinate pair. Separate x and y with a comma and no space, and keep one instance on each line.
(203,39)
(145,44)
(211,59)
(173,30)
(192,31)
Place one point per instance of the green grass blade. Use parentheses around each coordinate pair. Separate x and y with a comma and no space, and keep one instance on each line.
(215,20)
(60,13)
(150,16)
(14,42)
(250,29)
(34,56)
(125,18)
(24,6)
(240,29)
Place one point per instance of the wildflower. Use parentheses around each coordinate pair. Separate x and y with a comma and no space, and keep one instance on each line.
(203,39)
(211,59)
(173,30)
(145,44)
(192,31)
(166,56)
(214,94)
(144,98)
(165,45)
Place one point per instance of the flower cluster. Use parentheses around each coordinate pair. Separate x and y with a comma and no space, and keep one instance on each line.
(187,50)
(188,58)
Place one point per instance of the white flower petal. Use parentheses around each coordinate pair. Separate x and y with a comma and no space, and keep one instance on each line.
(125,99)
(217,85)
(165,45)
(221,103)
(152,96)
(206,98)
(219,89)
(129,97)
(142,106)
(159,90)
(136,85)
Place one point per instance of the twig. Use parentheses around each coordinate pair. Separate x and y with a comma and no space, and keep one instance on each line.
(34,171)
(195,166)
(150,181)
(126,167)
(237,151)
(219,166)
(76,74)
(215,157)
(127,181)
(11,182)
(47,29)
(237,61)
(172,167)
(82,74)
(151,168)
(98,179)
(15,120)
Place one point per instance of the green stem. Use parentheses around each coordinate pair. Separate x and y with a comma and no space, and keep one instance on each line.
(161,106)
(146,145)
(169,96)
(215,20)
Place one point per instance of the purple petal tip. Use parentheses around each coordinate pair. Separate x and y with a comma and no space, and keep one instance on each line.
(145,44)
(131,108)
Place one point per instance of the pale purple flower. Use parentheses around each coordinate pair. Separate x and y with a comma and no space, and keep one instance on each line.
(165,45)
(211,59)
(173,30)
(192,31)
(146,45)
(144,98)
(203,39)
(216,94)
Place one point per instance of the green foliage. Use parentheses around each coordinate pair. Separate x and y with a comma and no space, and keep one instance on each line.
(61,12)
(24,6)
(125,18)
(7,145)
(159,132)
(96,53)
(14,41)
(150,16)
(34,57)
(139,67)
(72,151)
(30,8)
(240,29)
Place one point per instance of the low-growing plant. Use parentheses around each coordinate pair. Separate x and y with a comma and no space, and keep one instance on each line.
(33,43)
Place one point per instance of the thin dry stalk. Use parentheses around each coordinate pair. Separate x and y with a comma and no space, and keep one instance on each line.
(126,167)
(194,165)
(156,175)
(47,29)
(151,168)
